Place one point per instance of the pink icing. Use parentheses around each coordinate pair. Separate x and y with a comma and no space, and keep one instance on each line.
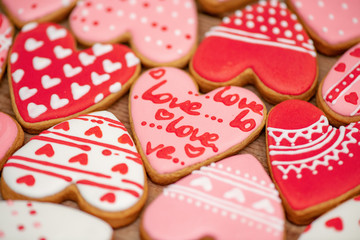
(8,133)
(177,127)
(5,39)
(232,199)
(335,21)
(341,87)
(162,31)
(30,10)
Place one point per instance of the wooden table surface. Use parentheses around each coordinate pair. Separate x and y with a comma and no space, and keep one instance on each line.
(120,109)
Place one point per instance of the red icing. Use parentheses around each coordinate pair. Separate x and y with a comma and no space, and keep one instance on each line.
(104,186)
(122,168)
(108,197)
(355,53)
(94,131)
(63,126)
(150,150)
(165,152)
(352,98)
(33,78)
(81,158)
(163,114)
(125,139)
(46,149)
(335,223)
(28,180)
(340,67)
(193,152)
(157,74)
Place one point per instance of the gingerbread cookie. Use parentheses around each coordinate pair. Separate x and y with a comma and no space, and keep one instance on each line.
(221,6)
(11,137)
(339,223)
(90,159)
(6,33)
(22,12)
(177,130)
(314,165)
(334,25)
(263,44)
(35,220)
(338,94)
(161,33)
(231,199)
(51,81)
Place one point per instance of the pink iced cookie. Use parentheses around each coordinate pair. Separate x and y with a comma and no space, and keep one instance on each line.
(232,199)
(263,44)
(334,25)
(25,11)
(221,6)
(6,33)
(90,159)
(51,80)
(11,137)
(160,32)
(179,130)
(339,92)
(314,165)
(340,223)
(36,220)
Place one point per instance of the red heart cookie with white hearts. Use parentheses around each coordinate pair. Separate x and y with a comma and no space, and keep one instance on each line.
(221,6)
(84,160)
(314,165)
(36,220)
(343,222)
(334,25)
(178,130)
(11,137)
(162,33)
(232,199)
(339,92)
(25,11)
(51,81)
(6,33)
(263,44)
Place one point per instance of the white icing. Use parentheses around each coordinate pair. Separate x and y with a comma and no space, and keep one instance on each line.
(240,32)
(55,34)
(18,75)
(236,194)
(40,63)
(56,102)
(31,44)
(79,91)
(48,82)
(264,205)
(110,67)
(131,59)
(203,182)
(114,88)
(98,98)
(70,71)
(61,52)
(29,26)
(100,49)
(99,79)
(14,57)
(26,93)
(86,59)
(35,110)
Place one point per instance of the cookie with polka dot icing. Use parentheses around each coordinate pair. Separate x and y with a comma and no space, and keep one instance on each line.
(314,165)
(231,199)
(262,44)
(22,12)
(178,130)
(90,159)
(222,6)
(340,223)
(334,25)
(162,33)
(338,93)
(6,34)
(36,220)
(11,137)
(50,80)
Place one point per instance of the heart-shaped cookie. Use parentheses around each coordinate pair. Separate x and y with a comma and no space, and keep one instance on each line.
(36,220)
(11,137)
(340,223)
(231,199)
(314,165)
(263,44)
(51,81)
(339,92)
(332,24)
(160,32)
(25,11)
(82,160)
(221,6)
(6,33)
(179,130)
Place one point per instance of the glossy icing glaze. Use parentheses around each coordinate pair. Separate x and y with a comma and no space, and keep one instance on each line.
(162,31)
(341,87)
(8,134)
(335,21)
(36,220)
(341,222)
(265,37)
(31,10)
(231,199)
(6,31)
(51,79)
(305,152)
(94,152)
(178,128)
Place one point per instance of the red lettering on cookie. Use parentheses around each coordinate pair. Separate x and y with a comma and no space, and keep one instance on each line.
(163,114)
(186,106)
(157,98)
(150,150)
(157,74)
(165,152)
(192,151)
(244,125)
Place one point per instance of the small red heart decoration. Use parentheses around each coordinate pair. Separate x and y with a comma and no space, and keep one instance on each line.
(335,223)
(355,53)
(125,139)
(46,149)
(163,114)
(108,197)
(81,158)
(157,74)
(94,131)
(28,180)
(64,126)
(352,98)
(340,67)
(121,168)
